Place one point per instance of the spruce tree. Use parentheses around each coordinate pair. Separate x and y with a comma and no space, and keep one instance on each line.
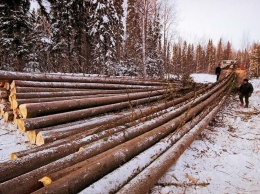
(133,48)
(16,31)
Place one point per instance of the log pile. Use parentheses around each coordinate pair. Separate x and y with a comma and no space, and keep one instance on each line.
(101,125)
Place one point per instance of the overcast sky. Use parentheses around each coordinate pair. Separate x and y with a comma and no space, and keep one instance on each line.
(233,20)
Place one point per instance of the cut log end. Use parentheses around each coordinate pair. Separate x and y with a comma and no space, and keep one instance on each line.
(13,156)
(14,104)
(39,139)
(32,136)
(20,124)
(46,181)
(8,116)
(81,148)
(23,110)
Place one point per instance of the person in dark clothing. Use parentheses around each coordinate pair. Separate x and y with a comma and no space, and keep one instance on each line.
(218,71)
(246,89)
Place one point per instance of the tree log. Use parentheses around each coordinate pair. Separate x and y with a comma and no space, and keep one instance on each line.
(33,162)
(140,162)
(4,94)
(96,167)
(39,109)
(46,136)
(19,181)
(101,146)
(8,116)
(15,103)
(72,93)
(35,89)
(7,75)
(132,114)
(46,121)
(143,182)
(80,85)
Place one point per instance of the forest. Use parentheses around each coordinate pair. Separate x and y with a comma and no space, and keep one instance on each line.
(114,38)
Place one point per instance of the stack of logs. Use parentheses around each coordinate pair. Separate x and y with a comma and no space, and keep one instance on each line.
(40,103)
(89,126)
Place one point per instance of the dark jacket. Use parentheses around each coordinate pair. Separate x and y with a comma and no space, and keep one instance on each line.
(218,70)
(246,88)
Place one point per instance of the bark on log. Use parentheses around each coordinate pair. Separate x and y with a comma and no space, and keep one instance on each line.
(47,136)
(80,85)
(46,121)
(60,132)
(124,118)
(15,103)
(22,180)
(35,89)
(96,167)
(7,75)
(39,109)
(30,162)
(68,129)
(71,93)
(143,182)
(53,155)
(4,94)
(101,146)
(6,107)
(140,162)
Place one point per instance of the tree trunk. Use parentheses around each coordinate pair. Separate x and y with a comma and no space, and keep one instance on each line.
(80,85)
(132,114)
(9,76)
(90,170)
(15,103)
(143,182)
(71,93)
(45,108)
(8,116)
(131,169)
(35,89)
(55,119)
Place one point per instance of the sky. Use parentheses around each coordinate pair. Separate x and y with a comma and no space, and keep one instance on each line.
(237,21)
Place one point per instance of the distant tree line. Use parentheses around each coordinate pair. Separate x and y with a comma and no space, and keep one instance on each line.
(95,36)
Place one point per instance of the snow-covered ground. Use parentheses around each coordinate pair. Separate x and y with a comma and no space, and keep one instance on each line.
(225,158)
(11,140)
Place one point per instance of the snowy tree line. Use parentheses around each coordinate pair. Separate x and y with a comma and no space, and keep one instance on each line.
(96,36)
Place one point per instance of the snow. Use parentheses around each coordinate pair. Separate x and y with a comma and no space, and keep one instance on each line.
(203,78)
(225,158)
(11,140)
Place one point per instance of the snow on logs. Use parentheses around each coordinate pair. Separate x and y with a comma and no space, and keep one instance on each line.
(105,145)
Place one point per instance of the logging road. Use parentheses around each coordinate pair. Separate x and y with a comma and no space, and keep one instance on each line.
(157,127)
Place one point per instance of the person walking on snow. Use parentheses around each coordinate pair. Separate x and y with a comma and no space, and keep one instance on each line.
(218,71)
(246,89)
